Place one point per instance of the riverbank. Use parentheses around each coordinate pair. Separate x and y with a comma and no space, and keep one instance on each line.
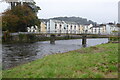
(100,61)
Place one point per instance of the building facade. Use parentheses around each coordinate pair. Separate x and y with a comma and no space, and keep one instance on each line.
(112,28)
(33,29)
(98,30)
(43,27)
(58,26)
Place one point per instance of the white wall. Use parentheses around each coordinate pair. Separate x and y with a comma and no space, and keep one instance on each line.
(108,29)
(52,26)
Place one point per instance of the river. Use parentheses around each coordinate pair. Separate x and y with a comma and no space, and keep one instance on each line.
(20,53)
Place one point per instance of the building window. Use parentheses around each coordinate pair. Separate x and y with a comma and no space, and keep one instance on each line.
(67,26)
(95,30)
(71,26)
(64,28)
(60,26)
(75,27)
(55,26)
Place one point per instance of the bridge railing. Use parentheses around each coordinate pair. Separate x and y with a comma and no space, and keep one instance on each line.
(13,34)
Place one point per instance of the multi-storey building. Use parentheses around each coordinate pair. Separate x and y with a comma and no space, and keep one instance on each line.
(112,28)
(86,28)
(58,26)
(105,29)
(100,29)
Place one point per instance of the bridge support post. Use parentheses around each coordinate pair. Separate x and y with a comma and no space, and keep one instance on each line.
(84,41)
(52,39)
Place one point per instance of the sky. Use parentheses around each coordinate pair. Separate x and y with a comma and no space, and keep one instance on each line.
(100,11)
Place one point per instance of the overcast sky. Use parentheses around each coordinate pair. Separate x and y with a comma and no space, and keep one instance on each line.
(101,11)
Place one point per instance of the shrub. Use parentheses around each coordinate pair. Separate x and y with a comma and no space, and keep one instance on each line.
(27,38)
(114,38)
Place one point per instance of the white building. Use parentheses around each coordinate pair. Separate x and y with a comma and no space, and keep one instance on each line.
(112,28)
(87,28)
(33,29)
(58,26)
(101,29)
(72,27)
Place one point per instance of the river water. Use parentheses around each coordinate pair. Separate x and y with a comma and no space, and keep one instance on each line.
(20,53)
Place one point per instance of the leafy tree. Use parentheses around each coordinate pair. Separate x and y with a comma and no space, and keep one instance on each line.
(19,18)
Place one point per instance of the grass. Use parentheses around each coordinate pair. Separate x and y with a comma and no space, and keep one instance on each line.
(100,61)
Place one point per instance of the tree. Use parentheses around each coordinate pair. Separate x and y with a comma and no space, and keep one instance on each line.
(32,5)
(19,18)
(10,23)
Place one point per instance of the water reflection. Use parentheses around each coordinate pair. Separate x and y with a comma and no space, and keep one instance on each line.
(19,53)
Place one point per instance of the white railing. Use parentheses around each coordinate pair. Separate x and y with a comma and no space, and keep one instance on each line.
(53,32)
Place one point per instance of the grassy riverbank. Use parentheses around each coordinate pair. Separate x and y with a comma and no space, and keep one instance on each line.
(100,61)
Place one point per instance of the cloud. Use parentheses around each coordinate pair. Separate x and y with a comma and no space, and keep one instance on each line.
(97,10)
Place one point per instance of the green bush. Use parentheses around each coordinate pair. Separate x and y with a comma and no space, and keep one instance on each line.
(114,38)
(27,38)
(22,37)
(31,37)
